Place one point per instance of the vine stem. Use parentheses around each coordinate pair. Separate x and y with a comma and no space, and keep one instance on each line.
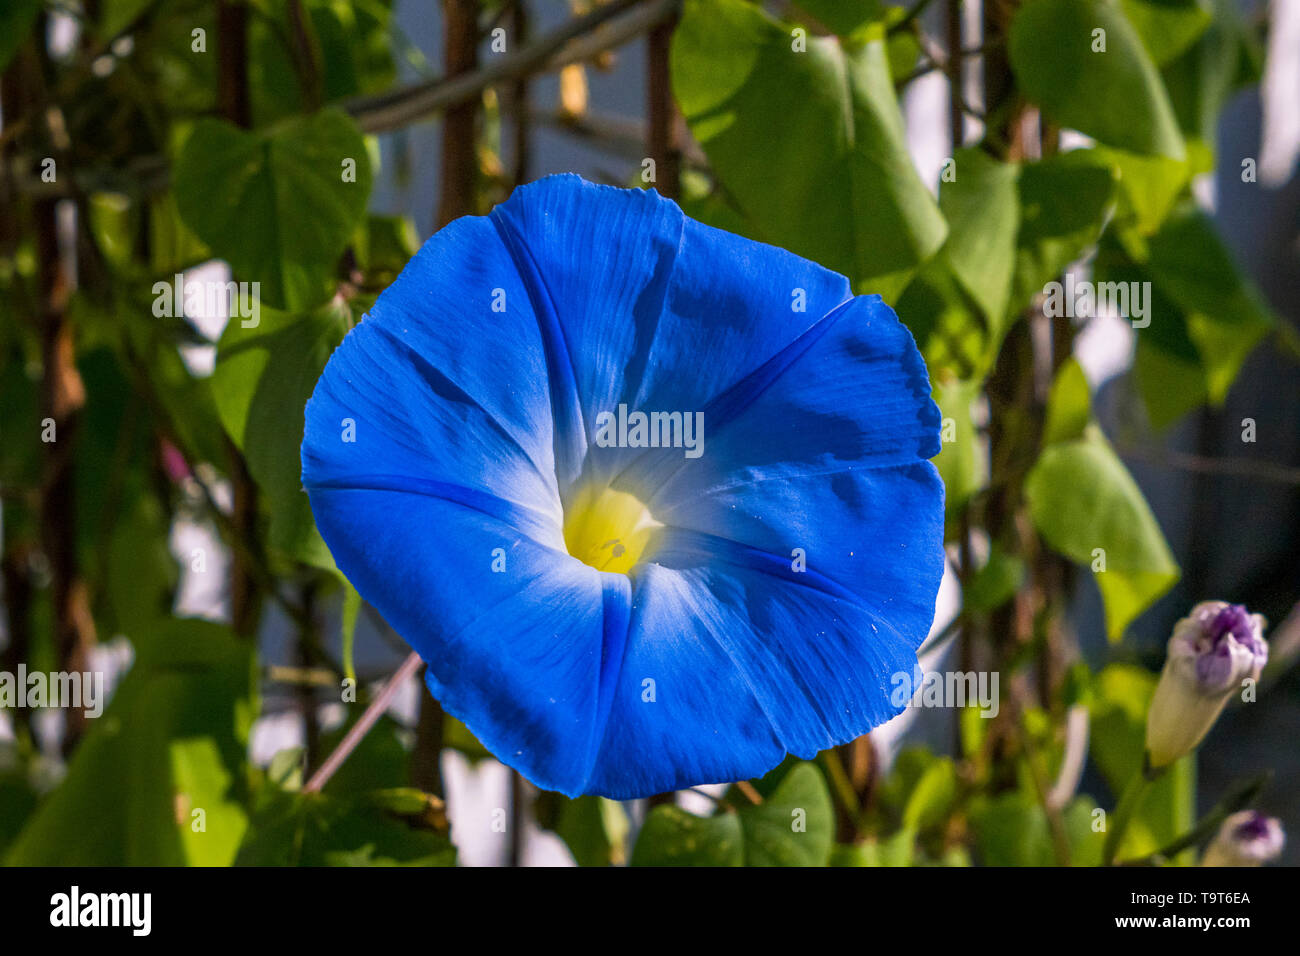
(663,140)
(362,726)
(1238,799)
(567,43)
(1129,802)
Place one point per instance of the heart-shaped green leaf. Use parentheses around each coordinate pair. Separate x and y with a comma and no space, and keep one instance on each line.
(1085,65)
(805,134)
(279,205)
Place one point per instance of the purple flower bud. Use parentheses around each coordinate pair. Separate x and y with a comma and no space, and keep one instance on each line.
(1211,653)
(1228,645)
(173,462)
(1247,838)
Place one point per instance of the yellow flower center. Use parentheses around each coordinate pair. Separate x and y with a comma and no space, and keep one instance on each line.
(608,529)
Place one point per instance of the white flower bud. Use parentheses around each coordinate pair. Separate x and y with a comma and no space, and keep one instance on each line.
(1247,838)
(1212,651)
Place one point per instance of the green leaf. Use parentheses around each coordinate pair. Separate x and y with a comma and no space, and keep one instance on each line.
(1064,202)
(190,406)
(843,16)
(932,797)
(286,767)
(1206,316)
(459,738)
(113,445)
(1012,829)
(1148,185)
(384,245)
(794,826)
(1088,507)
(172,742)
(274,204)
(1226,316)
(1168,27)
(904,45)
(909,767)
(173,247)
(962,460)
(996,581)
(1069,404)
(17,794)
(1012,230)
(898,849)
(313,829)
(1121,695)
(353,39)
(379,760)
(1206,74)
(140,571)
(955,343)
(673,837)
(1115,96)
(1167,365)
(116,15)
(1170,378)
(263,378)
(823,125)
(113,220)
(982,206)
(1086,842)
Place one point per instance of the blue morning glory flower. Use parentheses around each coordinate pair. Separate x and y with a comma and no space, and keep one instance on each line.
(651,500)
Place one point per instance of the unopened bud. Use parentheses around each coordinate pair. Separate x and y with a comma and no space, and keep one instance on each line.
(1212,651)
(1247,838)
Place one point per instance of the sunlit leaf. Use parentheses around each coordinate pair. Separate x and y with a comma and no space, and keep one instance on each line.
(982,206)
(314,829)
(962,460)
(1168,27)
(673,837)
(1114,95)
(824,124)
(264,376)
(1064,202)
(157,779)
(794,825)
(1226,316)
(276,204)
(1088,507)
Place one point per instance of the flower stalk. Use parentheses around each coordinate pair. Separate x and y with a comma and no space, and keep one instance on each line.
(1130,802)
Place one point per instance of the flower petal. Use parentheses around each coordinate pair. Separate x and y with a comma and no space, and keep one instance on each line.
(596,262)
(825,454)
(432,395)
(474,424)
(648,308)
(748,662)
(683,714)
(521,643)
(732,305)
